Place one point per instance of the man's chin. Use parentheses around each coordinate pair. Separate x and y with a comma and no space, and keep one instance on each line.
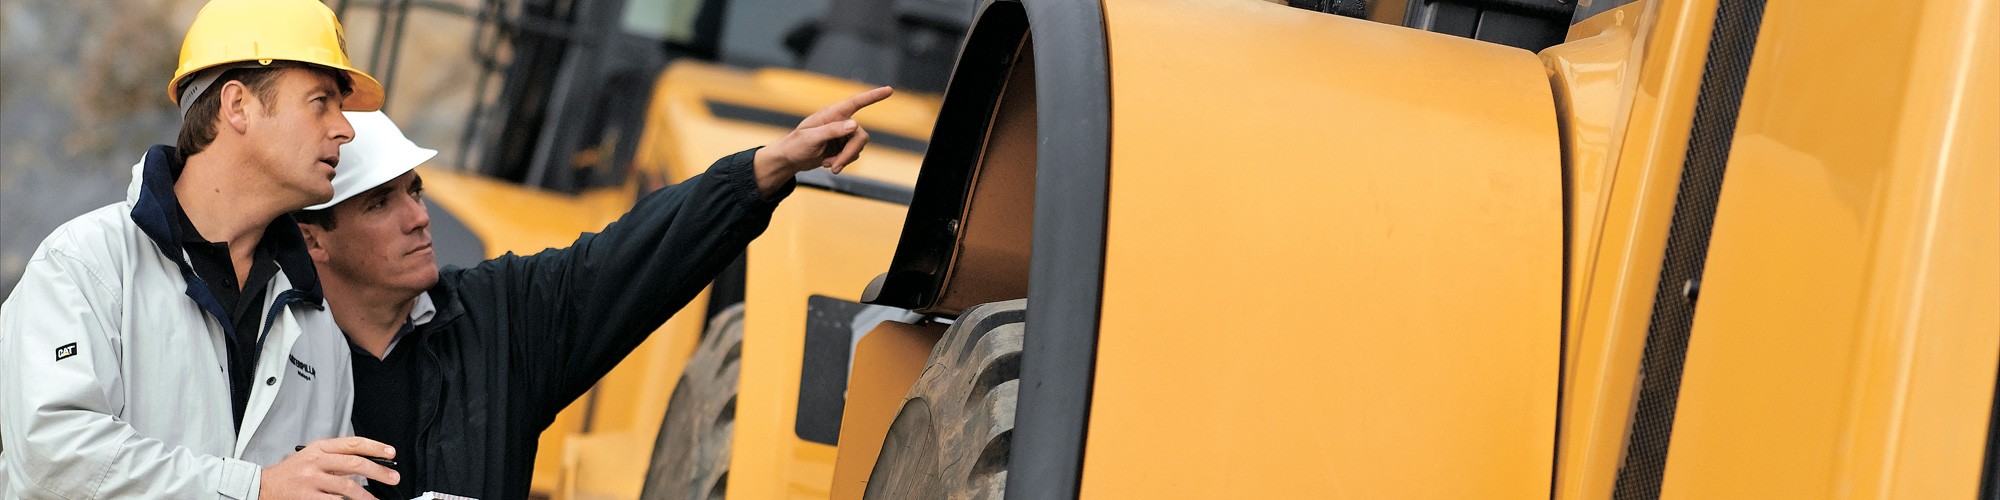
(414,282)
(317,196)
(430,277)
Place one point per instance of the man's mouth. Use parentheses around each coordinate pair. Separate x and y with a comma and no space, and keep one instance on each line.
(420,249)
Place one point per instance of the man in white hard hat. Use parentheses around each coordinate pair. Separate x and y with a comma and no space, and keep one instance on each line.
(462,370)
(175,344)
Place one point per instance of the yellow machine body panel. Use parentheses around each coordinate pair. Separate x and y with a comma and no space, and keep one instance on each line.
(1849,321)
(887,361)
(511,218)
(1626,83)
(1328,276)
(1407,266)
(684,132)
(819,243)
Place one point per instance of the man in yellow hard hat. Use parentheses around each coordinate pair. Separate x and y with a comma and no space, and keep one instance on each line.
(176,344)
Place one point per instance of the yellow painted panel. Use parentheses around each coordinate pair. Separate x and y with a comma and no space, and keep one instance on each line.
(1327,276)
(605,465)
(1616,259)
(819,243)
(887,362)
(1592,75)
(511,218)
(1848,327)
(683,136)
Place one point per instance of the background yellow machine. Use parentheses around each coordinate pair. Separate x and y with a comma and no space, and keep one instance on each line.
(1330,249)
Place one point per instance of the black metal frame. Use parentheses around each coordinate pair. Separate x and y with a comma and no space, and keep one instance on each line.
(1717,103)
(1989,472)
(1527,24)
(1990,468)
(568,58)
(1066,266)
(392,23)
(1066,270)
(916,273)
(1596,7)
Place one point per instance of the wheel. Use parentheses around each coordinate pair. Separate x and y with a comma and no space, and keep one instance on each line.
(952,436)
(691,454)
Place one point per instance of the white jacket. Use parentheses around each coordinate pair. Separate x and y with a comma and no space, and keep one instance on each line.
(113,379)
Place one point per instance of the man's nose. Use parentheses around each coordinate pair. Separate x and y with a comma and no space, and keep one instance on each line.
(420,216)
(342,131)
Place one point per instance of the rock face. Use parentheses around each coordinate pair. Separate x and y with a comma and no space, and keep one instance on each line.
(82,94)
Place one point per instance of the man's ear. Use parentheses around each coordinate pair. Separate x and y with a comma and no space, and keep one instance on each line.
(312,233)
(235,103)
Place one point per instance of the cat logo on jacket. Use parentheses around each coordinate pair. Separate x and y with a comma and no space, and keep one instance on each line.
(305,371)
(65,352)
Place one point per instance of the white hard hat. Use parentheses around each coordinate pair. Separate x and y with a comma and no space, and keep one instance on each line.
(379,153)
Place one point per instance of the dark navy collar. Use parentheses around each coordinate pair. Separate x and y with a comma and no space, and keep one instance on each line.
(444,295)
(157,208)
(445,301)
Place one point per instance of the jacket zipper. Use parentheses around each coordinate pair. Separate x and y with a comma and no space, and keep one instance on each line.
(429,417)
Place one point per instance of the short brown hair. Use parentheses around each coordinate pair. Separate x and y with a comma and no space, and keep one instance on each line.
(198,127)
(322,218)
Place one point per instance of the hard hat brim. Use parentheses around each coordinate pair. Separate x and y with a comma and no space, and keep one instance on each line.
(412,159)
(367,92)
(378,154)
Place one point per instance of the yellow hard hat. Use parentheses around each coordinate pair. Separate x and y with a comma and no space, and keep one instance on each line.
(235,31)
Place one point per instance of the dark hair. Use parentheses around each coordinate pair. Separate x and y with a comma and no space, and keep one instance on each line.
(198,127)
(322,218)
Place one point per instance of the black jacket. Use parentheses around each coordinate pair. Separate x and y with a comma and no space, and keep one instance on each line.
(516,339)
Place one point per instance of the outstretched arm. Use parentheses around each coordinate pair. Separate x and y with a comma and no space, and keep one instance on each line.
(574,313)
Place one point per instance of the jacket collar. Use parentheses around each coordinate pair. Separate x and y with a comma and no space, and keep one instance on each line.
(155,207)
(444,299)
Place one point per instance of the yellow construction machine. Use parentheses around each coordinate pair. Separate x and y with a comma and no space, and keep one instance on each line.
(1570,249)
(1237,249)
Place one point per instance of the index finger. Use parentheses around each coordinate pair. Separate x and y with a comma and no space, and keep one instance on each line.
(846,108)
(357,466)
(355,445)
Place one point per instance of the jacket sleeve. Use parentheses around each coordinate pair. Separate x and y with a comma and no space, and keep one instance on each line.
(58,339)
(579,310)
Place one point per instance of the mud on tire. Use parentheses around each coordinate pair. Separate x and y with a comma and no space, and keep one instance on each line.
(952,437)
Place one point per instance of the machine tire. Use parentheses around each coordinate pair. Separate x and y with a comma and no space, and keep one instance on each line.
(691,454)
(952,437)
